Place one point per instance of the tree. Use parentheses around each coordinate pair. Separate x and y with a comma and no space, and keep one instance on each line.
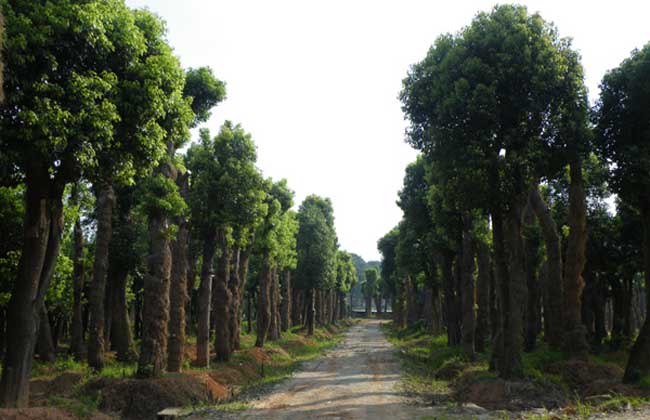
(370,287)
(316,247)
(622,119)
(53,119)
(493,117)
(225,193)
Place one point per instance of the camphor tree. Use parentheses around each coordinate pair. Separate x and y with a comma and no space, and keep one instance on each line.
(495,107)
(225,193)
(622,121)
(346,278)
(53,120)
(316,244)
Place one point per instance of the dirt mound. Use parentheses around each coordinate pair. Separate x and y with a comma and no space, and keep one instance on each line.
(258,355)
(143,398)
(43,413)
(63,385)
(588,378)
(216,390)
(498,394)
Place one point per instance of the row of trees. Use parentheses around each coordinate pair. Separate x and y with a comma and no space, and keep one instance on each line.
(113,231)
(506,230)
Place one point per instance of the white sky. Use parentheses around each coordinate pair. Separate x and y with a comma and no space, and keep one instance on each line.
(316,83)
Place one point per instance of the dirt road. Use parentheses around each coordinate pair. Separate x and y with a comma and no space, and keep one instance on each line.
(356,380)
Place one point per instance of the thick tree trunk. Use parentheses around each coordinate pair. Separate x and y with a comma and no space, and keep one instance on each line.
(42,239)
(77,336)
(512,297)
(264,303)
(467,287)
(553,316)
(298,304)
(204,298)
(45,344)
(483,296)
(155,311)
(222,300)
(533,308)
(121,337)
(575,337)
(178,296)
(638,364)
(96,340)
(287,293)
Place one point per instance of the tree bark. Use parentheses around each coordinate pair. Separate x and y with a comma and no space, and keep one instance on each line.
(234,314)
(510,257)
(77,336)
(155,311)
(310,311)
(467,287)
(450,303)
(575,337)
(222,300)
(244,260)
(274,297)
(204,298)
(553,316)
(96,343)
(286,300)
(483,296)
(638,364)
(121,336)
(45,344)
(178,295)
(264,303)
(42,240)
(533,308)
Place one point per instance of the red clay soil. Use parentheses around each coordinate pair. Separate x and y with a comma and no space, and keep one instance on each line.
(498,394)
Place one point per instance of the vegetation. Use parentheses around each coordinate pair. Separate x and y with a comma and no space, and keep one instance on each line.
(507,243)
(120,238)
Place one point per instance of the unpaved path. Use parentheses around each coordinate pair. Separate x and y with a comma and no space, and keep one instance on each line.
(356,380)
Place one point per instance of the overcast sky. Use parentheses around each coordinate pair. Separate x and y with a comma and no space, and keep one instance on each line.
(316,83)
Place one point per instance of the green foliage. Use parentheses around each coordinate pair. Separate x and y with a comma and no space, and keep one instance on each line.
(205,90)
(316,244)
(161,197)
(346,272)
(622,119)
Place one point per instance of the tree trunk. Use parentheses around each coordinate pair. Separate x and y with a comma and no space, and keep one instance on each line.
(512,296)
(274,297)
(249,313)
(155,311)
(310,311)
(296,318)
(178,296)
(222,300)
(264,303)
(96,343)
(286,300)
(234,311)
(42,240)
(243,279)
(553,316)
(121,337)
(638,364)
(533,309)
(45,344)
(77,338)
(483,296)
(467,287)
(575,337)
(378,305)
(204,298)
(450,303)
